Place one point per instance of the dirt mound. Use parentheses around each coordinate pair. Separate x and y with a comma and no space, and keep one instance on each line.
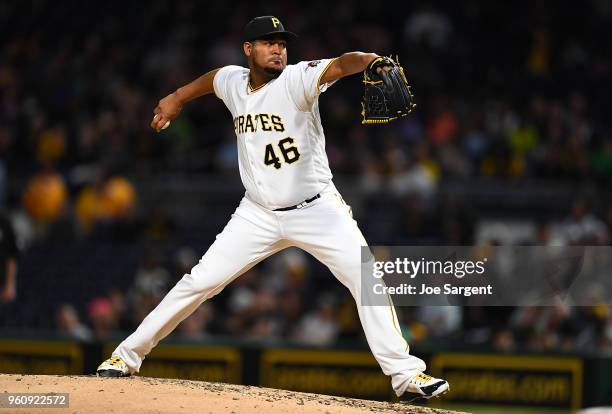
(152,395)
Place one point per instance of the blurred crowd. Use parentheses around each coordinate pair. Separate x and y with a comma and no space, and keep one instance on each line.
(521,101)
(285,299)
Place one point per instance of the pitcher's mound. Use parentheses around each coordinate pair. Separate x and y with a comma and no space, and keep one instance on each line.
(138,395)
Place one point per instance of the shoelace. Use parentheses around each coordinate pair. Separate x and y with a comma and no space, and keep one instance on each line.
(115,361)
(421,378)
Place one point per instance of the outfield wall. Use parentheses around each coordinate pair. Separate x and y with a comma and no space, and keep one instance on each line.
(560,381)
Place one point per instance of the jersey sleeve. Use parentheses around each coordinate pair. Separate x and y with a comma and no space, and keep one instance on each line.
(304,82)
(223,79)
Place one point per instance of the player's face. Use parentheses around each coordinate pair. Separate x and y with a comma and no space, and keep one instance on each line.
(269,55)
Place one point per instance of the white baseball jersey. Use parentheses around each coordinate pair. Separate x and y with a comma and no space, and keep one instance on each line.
(281,144)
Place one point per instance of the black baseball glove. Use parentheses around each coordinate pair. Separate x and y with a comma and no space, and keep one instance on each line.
(387,95)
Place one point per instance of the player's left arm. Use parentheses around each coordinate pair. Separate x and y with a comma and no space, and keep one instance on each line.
(345,65)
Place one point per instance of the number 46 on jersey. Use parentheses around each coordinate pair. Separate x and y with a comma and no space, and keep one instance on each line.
(289,152)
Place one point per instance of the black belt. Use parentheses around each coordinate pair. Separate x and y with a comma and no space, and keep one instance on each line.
(302,204)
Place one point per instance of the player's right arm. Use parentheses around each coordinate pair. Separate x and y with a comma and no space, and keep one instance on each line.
(170,107)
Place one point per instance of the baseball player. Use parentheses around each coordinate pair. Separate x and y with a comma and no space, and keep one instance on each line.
(290,199)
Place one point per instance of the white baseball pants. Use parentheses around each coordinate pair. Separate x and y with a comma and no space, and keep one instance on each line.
(324,228)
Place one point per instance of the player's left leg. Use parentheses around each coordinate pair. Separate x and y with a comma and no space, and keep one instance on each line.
(327,230)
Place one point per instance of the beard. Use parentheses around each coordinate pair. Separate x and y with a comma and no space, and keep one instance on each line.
(274,73)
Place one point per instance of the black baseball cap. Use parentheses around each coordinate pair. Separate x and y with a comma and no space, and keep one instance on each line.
(264,26)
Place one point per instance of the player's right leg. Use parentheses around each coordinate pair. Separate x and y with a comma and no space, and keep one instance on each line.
(251,235)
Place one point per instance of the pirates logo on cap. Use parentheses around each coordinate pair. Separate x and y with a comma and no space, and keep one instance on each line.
(264,26)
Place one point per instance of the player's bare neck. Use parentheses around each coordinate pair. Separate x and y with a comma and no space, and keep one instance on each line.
(257,79)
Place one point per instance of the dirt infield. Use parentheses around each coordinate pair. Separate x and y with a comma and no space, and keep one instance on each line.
(152,395)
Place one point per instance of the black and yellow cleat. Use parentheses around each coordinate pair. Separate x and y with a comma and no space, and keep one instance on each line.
(113,367)
(423,387)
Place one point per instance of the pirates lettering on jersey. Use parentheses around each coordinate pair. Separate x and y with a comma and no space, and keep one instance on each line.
(251,123)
